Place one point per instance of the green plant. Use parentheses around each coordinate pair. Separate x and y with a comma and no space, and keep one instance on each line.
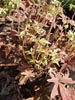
(9,6)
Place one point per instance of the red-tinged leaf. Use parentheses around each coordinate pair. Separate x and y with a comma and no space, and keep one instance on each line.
(67,79)
(64,93)
(71,67)
(59,79)
(54,90)
(27,74)
(7,52)
(70,60)
(71,63)
(72,92)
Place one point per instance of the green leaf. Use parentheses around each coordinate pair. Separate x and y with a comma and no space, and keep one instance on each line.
(72,6)
(22,34)
(54,56)
(71,35)
(43,41)
(3,11)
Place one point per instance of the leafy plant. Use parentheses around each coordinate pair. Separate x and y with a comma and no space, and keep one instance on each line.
(9,6)
(42,37)
(68,3)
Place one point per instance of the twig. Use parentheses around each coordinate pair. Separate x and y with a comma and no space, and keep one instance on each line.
(73,15)
(9,65)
